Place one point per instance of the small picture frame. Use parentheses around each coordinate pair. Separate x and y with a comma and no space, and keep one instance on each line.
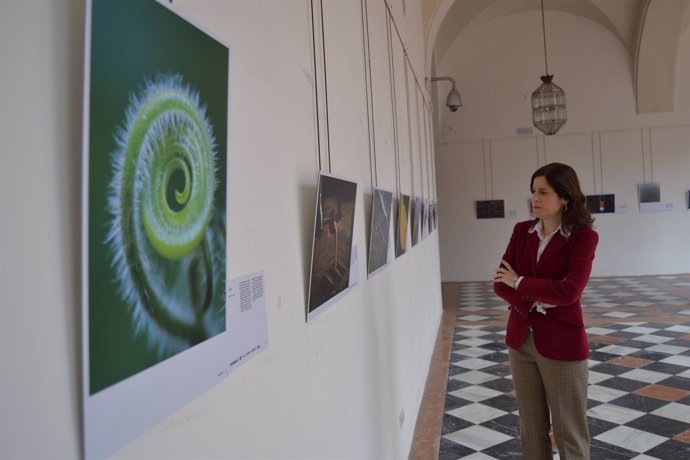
(490,209)
(601,204)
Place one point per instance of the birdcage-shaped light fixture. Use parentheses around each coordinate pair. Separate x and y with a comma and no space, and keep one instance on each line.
(548,101)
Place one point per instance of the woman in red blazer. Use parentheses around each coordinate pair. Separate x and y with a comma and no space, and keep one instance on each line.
(542,275)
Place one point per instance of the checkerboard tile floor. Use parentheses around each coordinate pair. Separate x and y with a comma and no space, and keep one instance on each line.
(639,386)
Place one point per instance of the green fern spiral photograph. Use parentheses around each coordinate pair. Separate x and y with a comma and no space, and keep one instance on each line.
(157,189)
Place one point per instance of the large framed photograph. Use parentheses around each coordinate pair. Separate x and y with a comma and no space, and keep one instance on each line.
(379,235)
(332,242)
(155,181)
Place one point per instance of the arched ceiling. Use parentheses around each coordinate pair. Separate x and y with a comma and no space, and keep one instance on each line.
(649,30)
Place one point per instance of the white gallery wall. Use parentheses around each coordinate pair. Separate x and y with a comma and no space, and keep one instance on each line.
(346,385)
(480,155)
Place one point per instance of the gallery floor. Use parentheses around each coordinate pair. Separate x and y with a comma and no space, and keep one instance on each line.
(639,384)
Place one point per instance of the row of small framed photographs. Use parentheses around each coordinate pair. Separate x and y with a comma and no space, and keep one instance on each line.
(649,194)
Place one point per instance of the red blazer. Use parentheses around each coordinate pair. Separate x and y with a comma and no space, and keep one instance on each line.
(558,279)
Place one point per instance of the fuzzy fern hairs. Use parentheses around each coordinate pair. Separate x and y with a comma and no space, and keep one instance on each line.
(167,240)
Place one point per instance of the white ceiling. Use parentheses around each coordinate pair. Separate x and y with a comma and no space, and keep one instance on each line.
(649,29)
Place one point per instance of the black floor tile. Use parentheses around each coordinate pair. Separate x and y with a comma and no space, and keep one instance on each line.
(621,383)
(604,451)
(670,450)
(509,450)
(665,368)
(456,385)
(676,382)
(639,402)
(502,402)
(449,450)
(452,424)
(453,402)
(507,424)
(597,426)
(609,369)
(658,425)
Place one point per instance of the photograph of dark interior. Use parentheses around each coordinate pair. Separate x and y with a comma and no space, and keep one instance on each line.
(490,209)
(381,211)
(330,265)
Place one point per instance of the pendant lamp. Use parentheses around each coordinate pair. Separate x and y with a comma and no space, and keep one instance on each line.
(548,101)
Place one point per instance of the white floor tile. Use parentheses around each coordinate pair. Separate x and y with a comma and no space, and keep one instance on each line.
(474,342)
(680,360)
(619,314)
(473,333)
(474,377)
(596,377)
(678,328)
(614,414)
(474,363)
(631,439)
(477,437)
(651,338)
(603,394)
(478,456)
(639,303)
(473,352)
(472,318)
(618,350)
(674,411)
(643,375)
(477,413)
(668,349)
(605,304)
(599,331)
(641,330)
(476,393)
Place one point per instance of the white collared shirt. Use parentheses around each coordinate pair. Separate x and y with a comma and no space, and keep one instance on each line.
(543,242)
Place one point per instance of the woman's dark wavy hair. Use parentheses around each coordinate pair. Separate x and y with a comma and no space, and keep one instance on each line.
(563,179)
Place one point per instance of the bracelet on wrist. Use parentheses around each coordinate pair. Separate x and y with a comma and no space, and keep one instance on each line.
(515,281)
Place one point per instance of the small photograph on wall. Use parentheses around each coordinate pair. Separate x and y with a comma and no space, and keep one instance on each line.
(426,223)
(529,207)
(432,216)
(650,192)
(379,235)
(490,209)
(402,226)
(332,245)
(599,204)
(156,179)
(688,198)
(416,221)
(436,214)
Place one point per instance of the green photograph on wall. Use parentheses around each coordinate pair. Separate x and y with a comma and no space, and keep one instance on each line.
(157,183)
(154,219)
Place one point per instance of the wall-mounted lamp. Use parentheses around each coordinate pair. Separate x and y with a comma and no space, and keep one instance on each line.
(453,101)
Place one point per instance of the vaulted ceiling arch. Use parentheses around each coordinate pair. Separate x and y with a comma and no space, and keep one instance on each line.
(649,29)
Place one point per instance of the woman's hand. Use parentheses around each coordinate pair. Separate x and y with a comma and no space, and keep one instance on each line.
(505,274)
